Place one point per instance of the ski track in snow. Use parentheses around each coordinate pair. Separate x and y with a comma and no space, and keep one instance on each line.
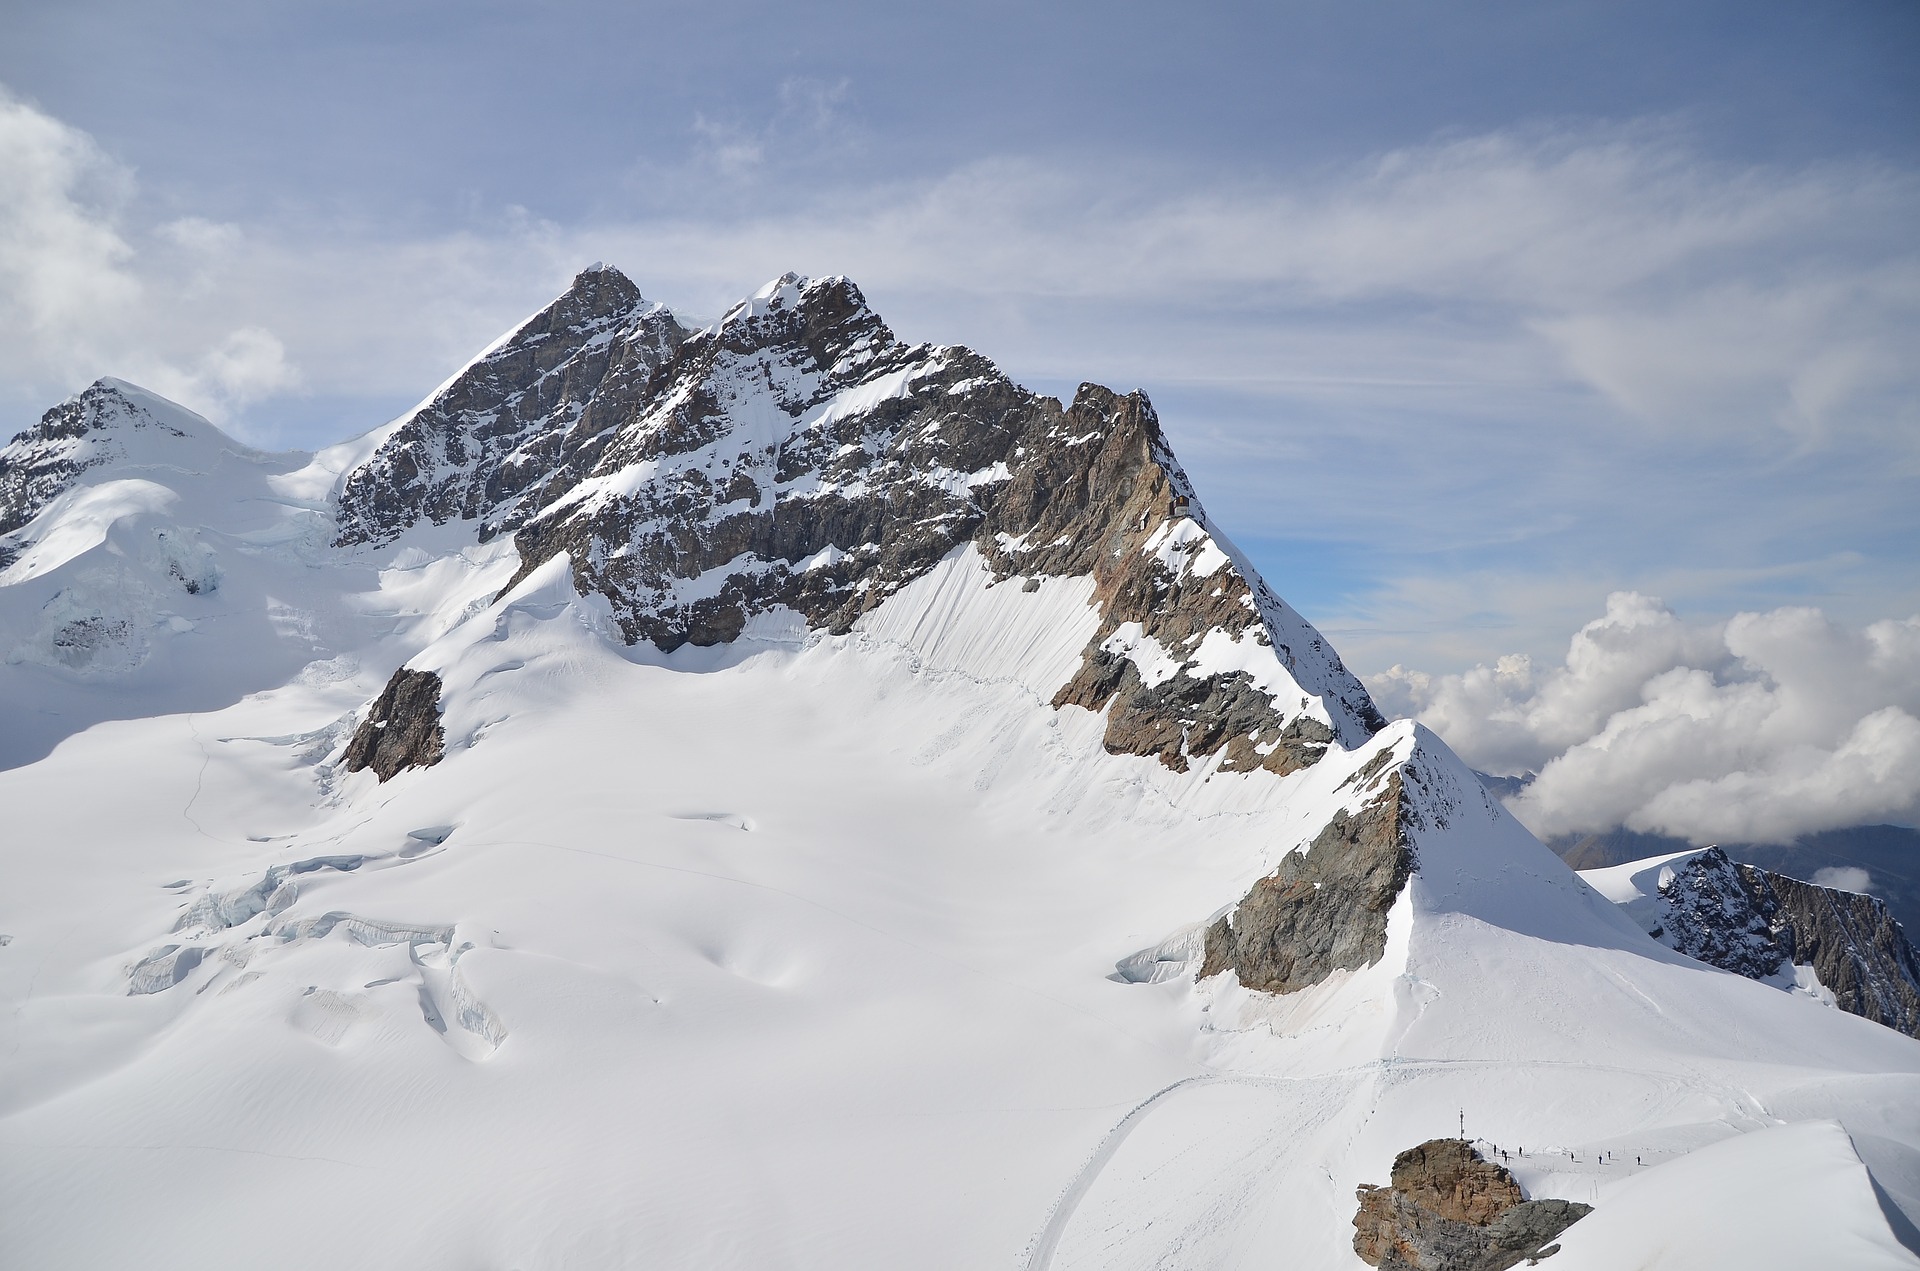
(1049,1239)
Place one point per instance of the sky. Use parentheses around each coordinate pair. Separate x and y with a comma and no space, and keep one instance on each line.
(1485,328)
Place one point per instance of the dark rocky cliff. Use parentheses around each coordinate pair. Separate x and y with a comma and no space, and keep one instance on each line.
(1325,909)
(1761,924)
(1890,854)
(402,728)
(521,425)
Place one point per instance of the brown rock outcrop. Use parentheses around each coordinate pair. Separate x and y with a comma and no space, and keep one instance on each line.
(402,730)
(1449,1209)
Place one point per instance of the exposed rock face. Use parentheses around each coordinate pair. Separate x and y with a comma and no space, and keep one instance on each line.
(1171,599)
(521,425)
(402,730)
(1322,910)
(798,455)
(1761,924)
(1708,913)
(1889,853)
(1447,1209)
(1326,907)
(1853,944)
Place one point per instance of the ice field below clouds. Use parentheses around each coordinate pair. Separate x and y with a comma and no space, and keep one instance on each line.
(800,952)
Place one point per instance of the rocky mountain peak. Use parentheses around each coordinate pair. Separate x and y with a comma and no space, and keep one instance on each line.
(824,325)
(519,425)
(798,456)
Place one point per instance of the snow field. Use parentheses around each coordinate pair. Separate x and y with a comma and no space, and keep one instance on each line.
(798,952)
(875,1024)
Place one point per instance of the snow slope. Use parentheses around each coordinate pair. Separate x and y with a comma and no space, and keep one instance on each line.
(800,950)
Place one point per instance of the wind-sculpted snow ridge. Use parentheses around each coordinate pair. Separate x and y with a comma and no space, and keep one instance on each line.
(1326,908)
(149,566)
(1841,947)
(798,456)
(108,424)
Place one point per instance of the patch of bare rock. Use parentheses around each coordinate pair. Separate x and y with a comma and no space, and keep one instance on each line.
(402,730)
(1324,909)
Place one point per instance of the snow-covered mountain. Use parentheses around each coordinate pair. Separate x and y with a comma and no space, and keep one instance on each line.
(798,459)
(768,795)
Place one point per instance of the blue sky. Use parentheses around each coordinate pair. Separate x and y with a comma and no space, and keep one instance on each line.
(1463,315)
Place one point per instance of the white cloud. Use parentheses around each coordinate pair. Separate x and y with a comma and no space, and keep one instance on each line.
(77,300)
(62,259)
(808,123)
(1689,298)
(1768,726)
(1844,878)
(1683,295)
(250,365)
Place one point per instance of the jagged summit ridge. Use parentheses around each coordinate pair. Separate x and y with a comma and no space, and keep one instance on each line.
(797,456)
(521,423)
(795,460)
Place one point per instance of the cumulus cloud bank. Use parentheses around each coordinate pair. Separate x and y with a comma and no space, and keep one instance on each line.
(1759,729)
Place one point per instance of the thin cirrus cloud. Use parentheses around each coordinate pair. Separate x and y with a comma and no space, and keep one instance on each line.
(1764,727)
(1681,290)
